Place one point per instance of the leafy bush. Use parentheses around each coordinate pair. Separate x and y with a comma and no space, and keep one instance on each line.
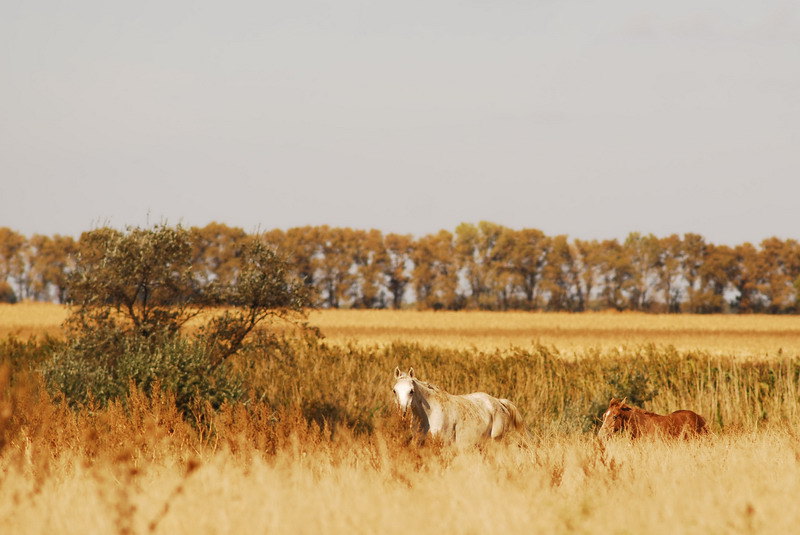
(178,365)
(133,293)
(146,283)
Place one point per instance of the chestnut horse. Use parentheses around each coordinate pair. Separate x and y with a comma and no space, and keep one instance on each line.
(621,417)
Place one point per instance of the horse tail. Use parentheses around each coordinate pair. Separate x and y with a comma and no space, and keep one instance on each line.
(516,420)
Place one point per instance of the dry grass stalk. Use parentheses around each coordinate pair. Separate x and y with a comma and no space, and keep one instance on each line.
(139,467)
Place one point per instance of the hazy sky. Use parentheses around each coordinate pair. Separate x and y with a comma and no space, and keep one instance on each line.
(592,119)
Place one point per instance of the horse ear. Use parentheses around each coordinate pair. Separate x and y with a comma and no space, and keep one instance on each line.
(411,372)
(396,372)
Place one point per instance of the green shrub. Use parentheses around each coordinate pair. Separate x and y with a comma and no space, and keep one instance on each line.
(133,293)
(98,370)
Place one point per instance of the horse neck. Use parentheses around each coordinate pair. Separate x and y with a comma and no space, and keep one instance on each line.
(637,415)
(424,395)
(647,413)
(423,390)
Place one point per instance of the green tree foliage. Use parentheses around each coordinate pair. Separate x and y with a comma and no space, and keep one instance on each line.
(142,281)
(134,291)
(263,287)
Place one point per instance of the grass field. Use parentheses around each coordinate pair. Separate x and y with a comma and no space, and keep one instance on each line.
(733,335)
(318,449)
(728,334)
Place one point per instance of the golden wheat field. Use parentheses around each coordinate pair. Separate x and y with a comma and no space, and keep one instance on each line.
(745,335)
(724,334)
(140,467)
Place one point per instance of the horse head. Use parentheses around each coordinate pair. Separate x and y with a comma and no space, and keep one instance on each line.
(616,417)
(403,389)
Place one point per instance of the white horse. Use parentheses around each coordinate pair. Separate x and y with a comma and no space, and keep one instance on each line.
(466,419)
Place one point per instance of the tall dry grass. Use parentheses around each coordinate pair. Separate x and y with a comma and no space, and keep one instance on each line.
(315,447)
(92,478)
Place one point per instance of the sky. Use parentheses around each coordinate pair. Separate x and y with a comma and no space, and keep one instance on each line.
(592,119)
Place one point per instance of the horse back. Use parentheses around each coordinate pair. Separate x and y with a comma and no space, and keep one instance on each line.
(688,422)
(682,423)
(502,413)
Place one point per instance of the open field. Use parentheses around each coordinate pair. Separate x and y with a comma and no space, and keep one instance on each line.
(745,335)
(314,445)
(721,334)
(29,319)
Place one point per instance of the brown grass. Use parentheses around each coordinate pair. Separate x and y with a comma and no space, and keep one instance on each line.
(140,468)
(731,483)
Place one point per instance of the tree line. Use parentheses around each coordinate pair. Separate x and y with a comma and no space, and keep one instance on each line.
(478,266)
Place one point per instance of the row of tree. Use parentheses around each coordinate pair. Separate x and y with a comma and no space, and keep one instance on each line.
(478,266)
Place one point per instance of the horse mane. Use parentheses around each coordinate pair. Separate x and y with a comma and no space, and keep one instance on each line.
(621,403)
(642,411)
(427,385)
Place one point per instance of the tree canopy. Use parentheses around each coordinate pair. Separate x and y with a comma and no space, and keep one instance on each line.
(477,266)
